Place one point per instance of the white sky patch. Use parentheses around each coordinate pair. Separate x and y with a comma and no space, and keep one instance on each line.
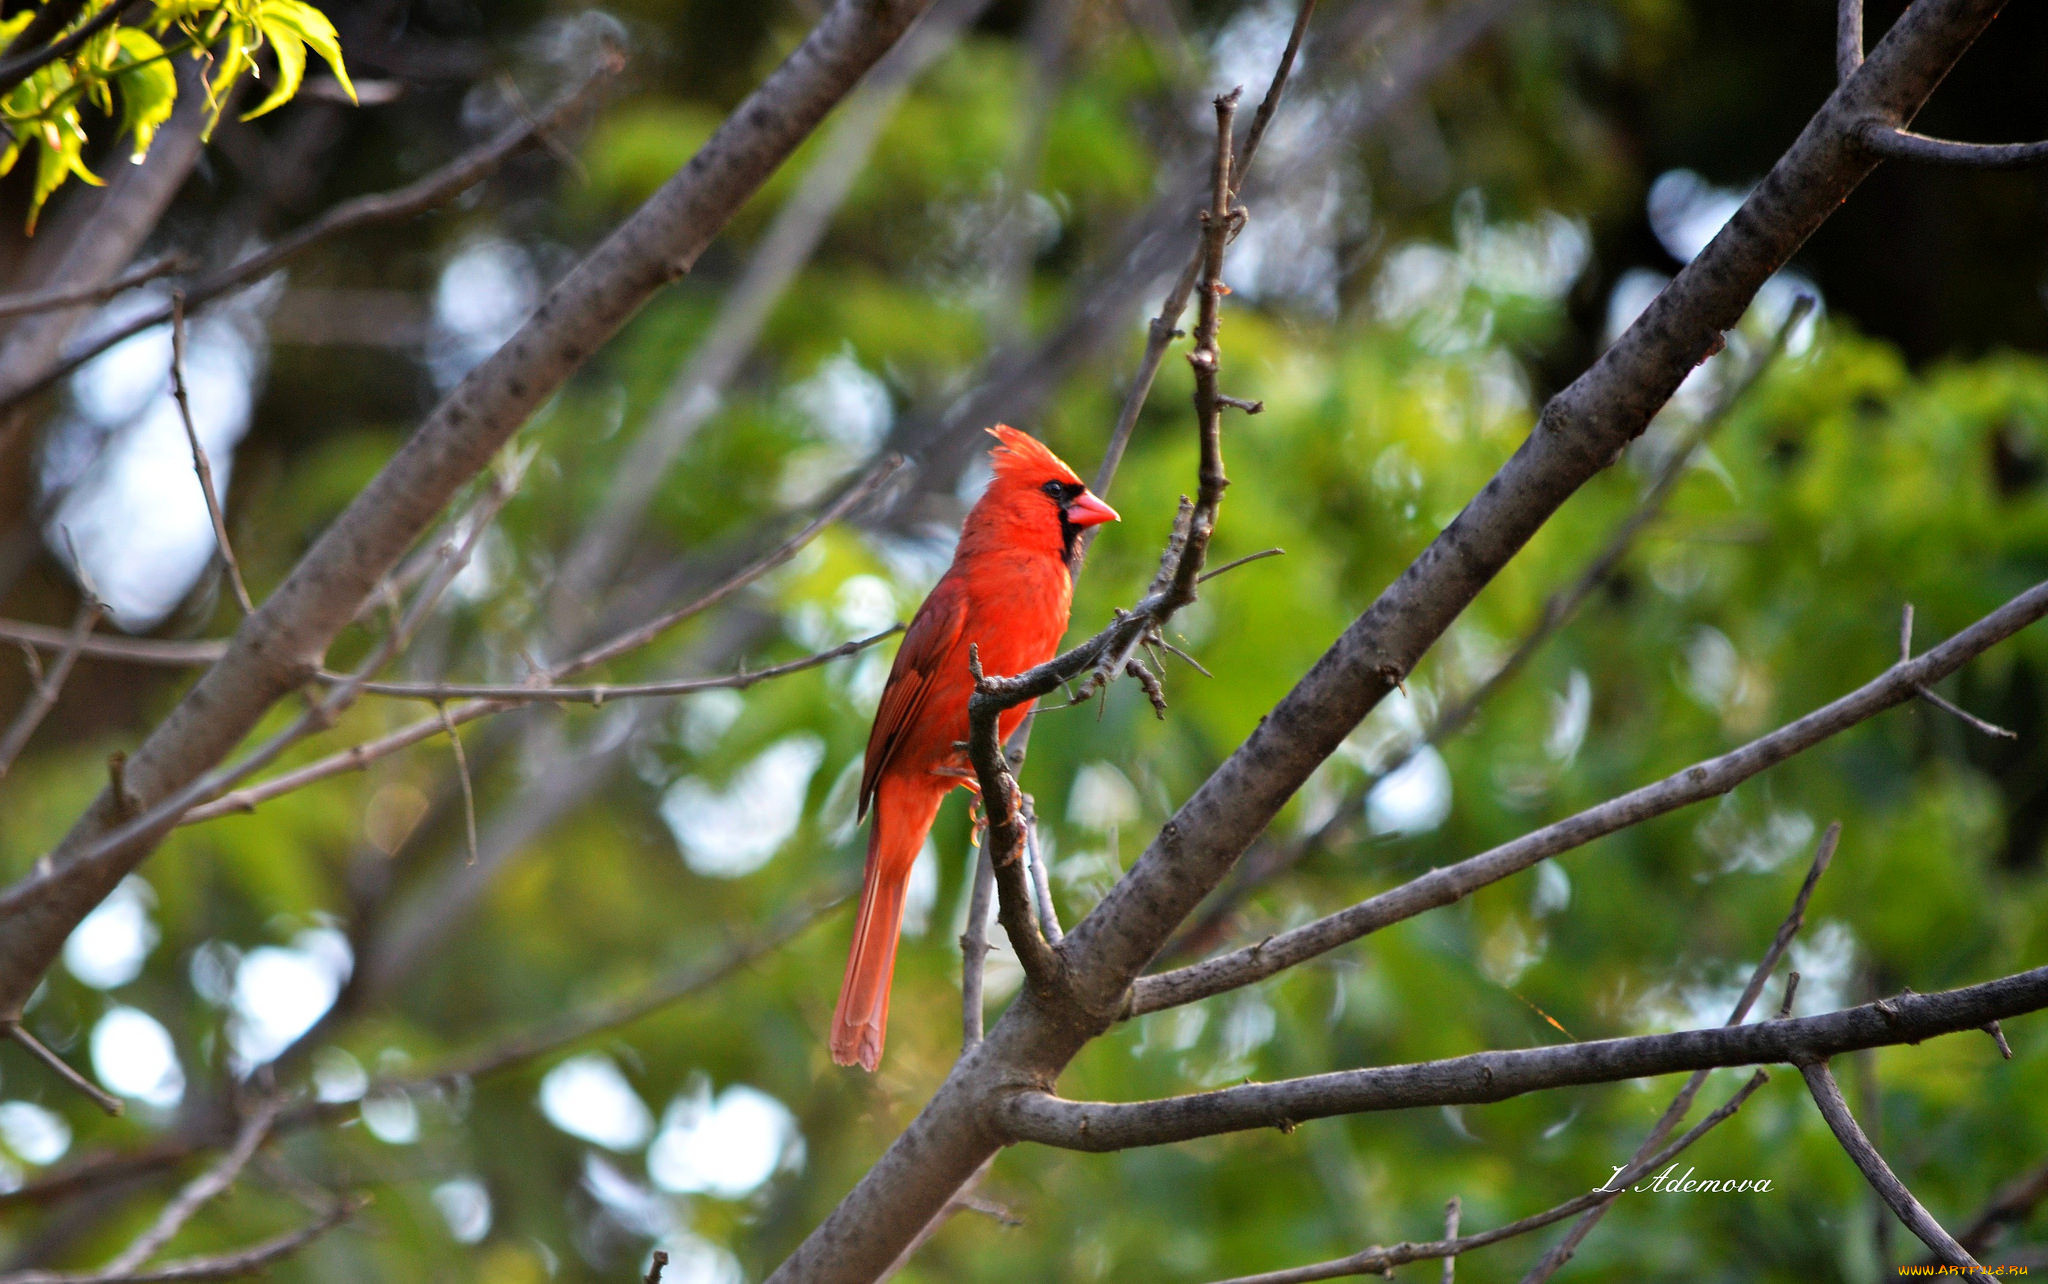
(1570,713)
(922,892)
(34,1133)
(588,1097)
(1248,48)
(692,1259)
(338,1076)
(864,604)
(466,1206)
(728,1146)
(484,294)
(1553,891)
(133,1057)
(731,831)
(704,718)
(1825,958)
(392,1119)
(213,972)
(1102,798)
(1686,211)
(108,947)
(845,403)
(1414,799)
(280,991)
(1712,667)
(132,507)
(1630,295)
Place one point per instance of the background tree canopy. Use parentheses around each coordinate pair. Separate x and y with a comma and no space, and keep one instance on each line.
(1459,205)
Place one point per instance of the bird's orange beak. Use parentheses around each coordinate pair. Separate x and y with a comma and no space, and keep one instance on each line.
(1090,511)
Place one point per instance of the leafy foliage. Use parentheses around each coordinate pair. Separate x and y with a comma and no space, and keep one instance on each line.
(130,69)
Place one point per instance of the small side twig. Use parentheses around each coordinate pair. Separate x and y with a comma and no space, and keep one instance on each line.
(462,774)
(18,1032)
(199,1191)
(1827,1094)
(655,1268)
(1848,38)
(27,303)
(1562,1252)
(49,683)
(1891,142)
(199,460)
(1969,719)
(974,949)
(1453,1211)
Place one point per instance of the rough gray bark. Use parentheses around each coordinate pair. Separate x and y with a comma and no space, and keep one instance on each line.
(280,647)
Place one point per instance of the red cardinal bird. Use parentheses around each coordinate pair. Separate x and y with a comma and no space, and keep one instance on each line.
(1007,593)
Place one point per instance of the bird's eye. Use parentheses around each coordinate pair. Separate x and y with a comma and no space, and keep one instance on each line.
(1053,489)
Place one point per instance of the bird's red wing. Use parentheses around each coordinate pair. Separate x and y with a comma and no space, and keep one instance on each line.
(933,637)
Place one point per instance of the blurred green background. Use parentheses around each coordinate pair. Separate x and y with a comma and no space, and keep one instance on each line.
(1421,270)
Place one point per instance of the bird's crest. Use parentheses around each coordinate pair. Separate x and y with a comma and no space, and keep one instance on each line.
(1021,455)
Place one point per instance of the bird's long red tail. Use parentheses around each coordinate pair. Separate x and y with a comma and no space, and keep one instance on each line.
(863,1016)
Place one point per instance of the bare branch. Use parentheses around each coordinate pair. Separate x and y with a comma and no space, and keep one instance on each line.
(199,1191)
(1273,858)
(151,651)
(49,684)
(1827,1094)
(1496,1076)
(1888,140)
(1453,1211)
(974,948)
(1848,38)
(72,296)
(199,461)
(417,197)
(358,756)
(1382,1261)
(18,1032)
(222,1266)
(1702,780)
(1562,1252)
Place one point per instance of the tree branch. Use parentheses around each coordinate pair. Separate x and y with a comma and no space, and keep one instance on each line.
(1581,431)
(199,461)
(1702,780)
(1894,143)
(1496,1076)
(223,1266)
(417,197)
(1562,1252)
(199,1191)
(1382,1261)
(50,684)
(1827,1094)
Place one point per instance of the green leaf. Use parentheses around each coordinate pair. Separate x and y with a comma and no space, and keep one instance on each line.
(312,27)
(291,66)
(149,87)
(62,155)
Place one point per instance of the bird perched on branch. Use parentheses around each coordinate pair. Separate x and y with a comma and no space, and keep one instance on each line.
(1007,593)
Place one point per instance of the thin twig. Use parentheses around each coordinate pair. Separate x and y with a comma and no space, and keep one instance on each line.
(1703,780)
(1827,1094)
(151,651)
(1969,719)
(1215,571)
(1889,141)
(222,1266)
(1453,1211)
(1381,1261)
(72,296)
(49,684)
(974,949)
(1273,859)
(1848,38)
(199,461)
(199,1191)
(1562,1252)
(18,1032)
(654,1268)
(462,774)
